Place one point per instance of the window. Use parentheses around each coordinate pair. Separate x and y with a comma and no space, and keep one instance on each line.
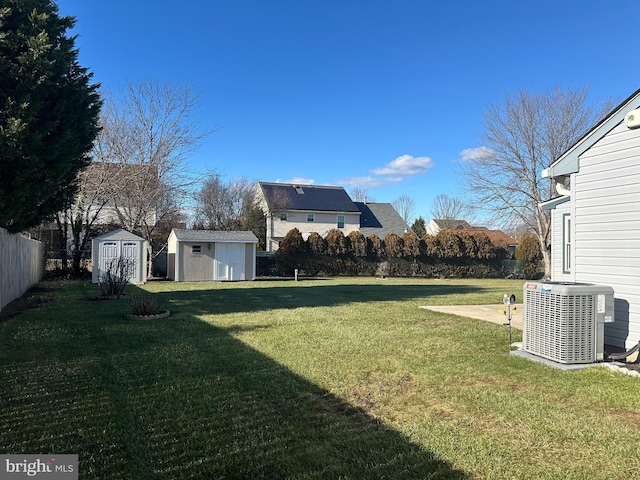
(566,241)
(196,248)
(309,217)
(340,221)
(283,217)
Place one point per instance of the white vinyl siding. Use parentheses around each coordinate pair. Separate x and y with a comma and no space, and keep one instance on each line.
(606,196)
(322,223)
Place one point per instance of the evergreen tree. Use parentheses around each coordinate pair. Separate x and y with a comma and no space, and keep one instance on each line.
(528,255)
(316,244)
(485,249)
(411,244)
(451,245)
(337,243)
(419,227)
(292,244)
(394,245)
(48,113)
(358,244)
(375,246)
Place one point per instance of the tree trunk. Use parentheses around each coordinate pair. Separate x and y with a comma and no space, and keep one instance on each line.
(546,258)
(149,260)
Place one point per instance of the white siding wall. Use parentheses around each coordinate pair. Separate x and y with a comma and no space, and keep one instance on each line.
(322,223)
(606,196)
(557,243)
(432,228)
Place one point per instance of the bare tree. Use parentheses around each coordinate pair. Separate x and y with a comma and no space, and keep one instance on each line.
(404,205)
(226,205)
(448,208)
(359,194)
(96,184)
(149,132)
(523,135)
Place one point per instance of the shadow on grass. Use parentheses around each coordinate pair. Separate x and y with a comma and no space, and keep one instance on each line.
(300,294)
(167,399)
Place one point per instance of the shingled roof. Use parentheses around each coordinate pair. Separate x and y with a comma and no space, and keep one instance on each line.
(214,236)
(289,196)
(446,224)
(380,219)
(494,235)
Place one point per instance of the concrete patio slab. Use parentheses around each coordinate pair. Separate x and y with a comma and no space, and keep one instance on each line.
(489,313)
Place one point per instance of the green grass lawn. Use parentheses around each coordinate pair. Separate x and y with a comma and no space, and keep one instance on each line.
(328,378)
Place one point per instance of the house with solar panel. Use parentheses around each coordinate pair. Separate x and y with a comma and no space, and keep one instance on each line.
(321,208)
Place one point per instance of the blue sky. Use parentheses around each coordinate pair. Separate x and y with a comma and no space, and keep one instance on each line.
(384,96)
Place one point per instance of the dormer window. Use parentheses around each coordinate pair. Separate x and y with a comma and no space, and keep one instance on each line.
(298,189)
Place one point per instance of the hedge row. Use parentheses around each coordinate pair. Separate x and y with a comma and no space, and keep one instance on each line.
(448,254)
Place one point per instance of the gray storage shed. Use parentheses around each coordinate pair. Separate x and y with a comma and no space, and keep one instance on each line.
(206,255)
(116,244)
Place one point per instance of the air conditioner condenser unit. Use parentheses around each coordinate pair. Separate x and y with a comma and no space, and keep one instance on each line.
(564,322)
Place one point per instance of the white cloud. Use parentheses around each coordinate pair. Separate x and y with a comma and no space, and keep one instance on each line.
(297,181)
(470,154)
(366,182)
(405,166)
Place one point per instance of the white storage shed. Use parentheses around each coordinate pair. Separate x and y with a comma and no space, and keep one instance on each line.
(119,244)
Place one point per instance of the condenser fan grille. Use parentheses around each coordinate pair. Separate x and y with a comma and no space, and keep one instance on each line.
(560,327)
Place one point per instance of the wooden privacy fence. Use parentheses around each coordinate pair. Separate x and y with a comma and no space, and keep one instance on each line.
(21,265)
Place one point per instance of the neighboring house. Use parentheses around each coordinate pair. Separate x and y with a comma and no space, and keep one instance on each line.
(319,209)
(435,225)
(207,255)
(596,220)
(496,236)
(459,226)
(309,208)
(380,219)
(116,246)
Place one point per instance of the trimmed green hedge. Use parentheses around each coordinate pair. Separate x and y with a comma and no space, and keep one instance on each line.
(446,255)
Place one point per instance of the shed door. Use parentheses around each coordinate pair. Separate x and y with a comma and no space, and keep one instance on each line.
(108,253)
(130,254)
(229,262)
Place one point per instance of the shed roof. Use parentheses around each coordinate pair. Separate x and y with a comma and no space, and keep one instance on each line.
(119,234)
(214,236)
(290,196)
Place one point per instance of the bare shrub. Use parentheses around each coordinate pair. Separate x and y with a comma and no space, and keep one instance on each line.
(116,276)
(143,305)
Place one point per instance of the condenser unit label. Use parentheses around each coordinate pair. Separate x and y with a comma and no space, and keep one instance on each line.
(601,303)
